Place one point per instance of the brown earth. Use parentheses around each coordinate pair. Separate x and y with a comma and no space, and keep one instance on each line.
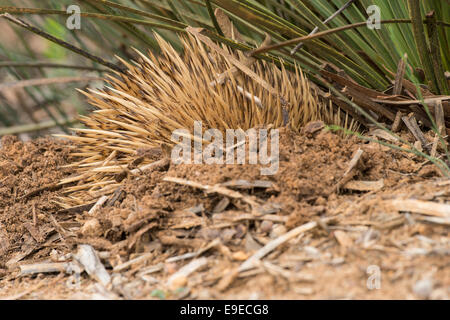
(156,222)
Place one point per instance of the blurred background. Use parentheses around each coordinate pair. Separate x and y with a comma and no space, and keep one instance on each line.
(50,103)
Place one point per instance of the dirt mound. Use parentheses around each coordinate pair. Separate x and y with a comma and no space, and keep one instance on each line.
(28,173)
(213,218)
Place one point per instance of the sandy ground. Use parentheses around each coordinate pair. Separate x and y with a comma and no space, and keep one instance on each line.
(382,232)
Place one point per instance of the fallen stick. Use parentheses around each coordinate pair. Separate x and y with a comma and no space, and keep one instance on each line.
(435,220)
(398,83)
(418,206)
(127,264)
(26,269)
(213,189)
(184,272)
(396,126)
(33,193)
(346,177)
(97,205)
(88,258)
(413,127)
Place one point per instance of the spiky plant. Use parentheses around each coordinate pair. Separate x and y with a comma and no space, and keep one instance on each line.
(140,109)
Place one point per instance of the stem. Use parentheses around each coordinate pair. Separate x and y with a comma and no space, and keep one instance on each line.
(36,126)
(44,64)
(331,31)
(436,57)
(298,46)
(421,43)
(101,16)
(213,18)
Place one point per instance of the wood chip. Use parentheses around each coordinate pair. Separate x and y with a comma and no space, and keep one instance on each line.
(212,244)
(313,127)
(440,118)
(413,127)
(26,269)
(98,205)
(129,263)
(364,185)
(343,239)
(397,125)
(435,220)
(151,269)
(418,206)
(221,205)
(90,261)
(227,26)
(368,103)
(151,166)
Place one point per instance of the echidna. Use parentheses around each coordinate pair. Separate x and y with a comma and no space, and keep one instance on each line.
(140,109)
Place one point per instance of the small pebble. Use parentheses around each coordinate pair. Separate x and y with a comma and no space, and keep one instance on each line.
(266,226)
(239,256)
(311,251)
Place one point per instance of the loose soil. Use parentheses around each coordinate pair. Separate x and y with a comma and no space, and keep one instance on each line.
(358,233)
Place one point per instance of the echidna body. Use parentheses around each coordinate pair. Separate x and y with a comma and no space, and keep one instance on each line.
(157,95)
